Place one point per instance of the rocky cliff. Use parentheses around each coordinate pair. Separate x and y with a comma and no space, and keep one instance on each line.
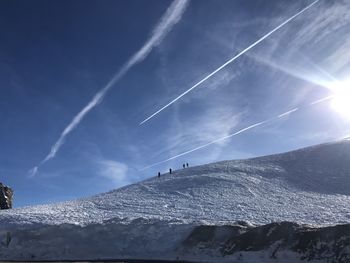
(272,241)
(6,194)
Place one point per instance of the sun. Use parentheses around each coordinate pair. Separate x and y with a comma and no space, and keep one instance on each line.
(341,100)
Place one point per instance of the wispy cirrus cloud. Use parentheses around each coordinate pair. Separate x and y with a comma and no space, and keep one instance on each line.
(208,118)
(328,17)
(114,171)
(219,140)
(322,41)
(226,137)
(171,17)
(228,62)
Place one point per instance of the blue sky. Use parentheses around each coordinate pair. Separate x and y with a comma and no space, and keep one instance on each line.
(56,56)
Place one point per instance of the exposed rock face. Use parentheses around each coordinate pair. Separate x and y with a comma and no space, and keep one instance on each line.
(326,244)
(150,239)
(6,194)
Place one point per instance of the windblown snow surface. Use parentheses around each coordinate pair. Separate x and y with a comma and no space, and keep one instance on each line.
(150,219)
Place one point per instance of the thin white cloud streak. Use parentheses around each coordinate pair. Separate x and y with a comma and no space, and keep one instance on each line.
(279,116)
(229,61)
(172,16)
(207,144)
(322,100)
(74,123)
(287,113)
(33,171)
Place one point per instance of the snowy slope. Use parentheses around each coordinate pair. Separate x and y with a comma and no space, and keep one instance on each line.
(192,215)
(310,185)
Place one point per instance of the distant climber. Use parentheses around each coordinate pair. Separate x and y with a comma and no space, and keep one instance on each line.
(6,194)
(187,165)
(158,174)
(183,166)
(170,170)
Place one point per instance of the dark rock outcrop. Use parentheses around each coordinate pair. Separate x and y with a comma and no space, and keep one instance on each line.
(6,194)
(326,244)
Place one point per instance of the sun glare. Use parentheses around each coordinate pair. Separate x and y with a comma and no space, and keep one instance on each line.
(341,100)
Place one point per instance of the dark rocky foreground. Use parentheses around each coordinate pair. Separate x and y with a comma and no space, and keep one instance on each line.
(102,261)
(327,244)
(145,240)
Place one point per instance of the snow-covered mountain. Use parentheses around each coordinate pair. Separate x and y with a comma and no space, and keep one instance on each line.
(307,186)
(310,185)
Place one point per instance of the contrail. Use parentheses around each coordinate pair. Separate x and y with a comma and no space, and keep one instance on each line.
(229,61)
(322,100)
(206,145)
(279,116)
(287,113)
(172,16)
